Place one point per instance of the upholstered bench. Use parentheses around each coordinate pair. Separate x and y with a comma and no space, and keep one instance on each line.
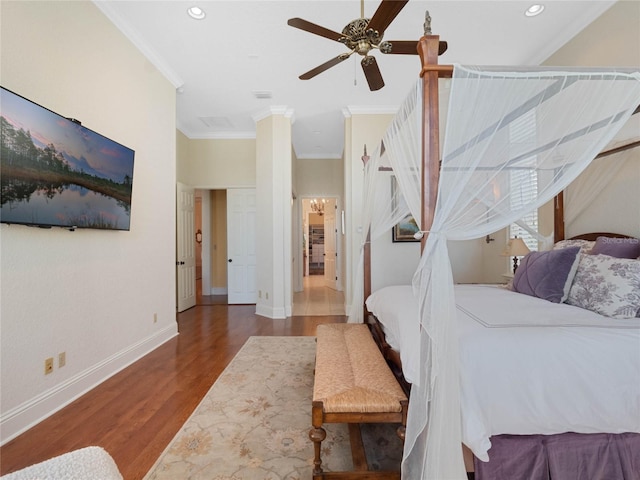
(353,384)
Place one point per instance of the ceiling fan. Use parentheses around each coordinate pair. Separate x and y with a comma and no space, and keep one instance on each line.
(362,36)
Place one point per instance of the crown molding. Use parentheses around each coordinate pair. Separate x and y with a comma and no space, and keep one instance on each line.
(350,110)
(324,156)
(140,44)
(217,135)
(274,110)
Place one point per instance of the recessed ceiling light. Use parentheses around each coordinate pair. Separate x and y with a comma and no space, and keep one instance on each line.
(196,12)
(533,10)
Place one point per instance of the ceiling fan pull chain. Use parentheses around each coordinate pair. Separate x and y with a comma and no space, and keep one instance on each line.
(355,73)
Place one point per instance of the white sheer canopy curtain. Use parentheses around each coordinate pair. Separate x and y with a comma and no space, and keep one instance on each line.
(571,116)
(383,206)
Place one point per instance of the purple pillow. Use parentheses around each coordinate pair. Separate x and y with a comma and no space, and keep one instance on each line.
(617,247)
(547,275)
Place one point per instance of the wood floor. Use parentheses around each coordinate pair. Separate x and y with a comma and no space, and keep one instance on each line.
(136,413)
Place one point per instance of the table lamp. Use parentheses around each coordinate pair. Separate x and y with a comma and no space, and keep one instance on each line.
(515,248)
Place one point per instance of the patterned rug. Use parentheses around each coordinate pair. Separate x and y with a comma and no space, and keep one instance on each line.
(254,422)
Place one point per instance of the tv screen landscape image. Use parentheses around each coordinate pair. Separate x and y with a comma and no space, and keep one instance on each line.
(55,172)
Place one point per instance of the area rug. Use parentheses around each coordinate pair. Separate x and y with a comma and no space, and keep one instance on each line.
(254,422)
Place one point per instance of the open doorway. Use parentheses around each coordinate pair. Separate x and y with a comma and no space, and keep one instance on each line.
(320,255)
(211,247)
(318,292)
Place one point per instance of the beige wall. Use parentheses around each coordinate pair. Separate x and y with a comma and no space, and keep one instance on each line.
(219,235)
(360,129)
(611,40)
(92,294)
(315,219)
(216,164)
(319,177)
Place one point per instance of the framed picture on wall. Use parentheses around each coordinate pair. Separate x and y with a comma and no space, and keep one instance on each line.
(404,230)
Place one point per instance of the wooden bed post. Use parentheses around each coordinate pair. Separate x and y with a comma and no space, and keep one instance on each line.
(367,273)
(428,49)
(558,217)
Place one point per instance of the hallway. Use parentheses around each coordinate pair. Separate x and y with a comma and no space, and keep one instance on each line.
(316,299)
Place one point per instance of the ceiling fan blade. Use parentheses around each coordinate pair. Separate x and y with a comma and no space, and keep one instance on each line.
(325,66)
(372,73)
(386,12)
(315,29)
(410,47)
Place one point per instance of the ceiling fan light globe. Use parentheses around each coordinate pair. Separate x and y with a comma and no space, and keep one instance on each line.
(363,47)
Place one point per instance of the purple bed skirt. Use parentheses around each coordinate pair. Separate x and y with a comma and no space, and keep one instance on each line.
(567,456)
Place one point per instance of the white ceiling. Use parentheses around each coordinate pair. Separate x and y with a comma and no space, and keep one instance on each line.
(243,47)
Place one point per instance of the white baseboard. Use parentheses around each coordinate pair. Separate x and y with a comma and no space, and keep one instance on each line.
(270,312)
(24,416)
(219,291)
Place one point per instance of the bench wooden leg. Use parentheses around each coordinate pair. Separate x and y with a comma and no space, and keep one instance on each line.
(317,435)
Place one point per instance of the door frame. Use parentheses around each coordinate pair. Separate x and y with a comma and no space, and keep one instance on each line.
(299,217)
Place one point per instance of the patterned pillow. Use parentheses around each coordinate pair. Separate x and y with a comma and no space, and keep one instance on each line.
(585,245)
(607,285)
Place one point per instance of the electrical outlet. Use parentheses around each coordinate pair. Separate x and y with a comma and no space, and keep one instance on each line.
(267,295)
(259,293)
(155,318)
(48,366)
(62,359)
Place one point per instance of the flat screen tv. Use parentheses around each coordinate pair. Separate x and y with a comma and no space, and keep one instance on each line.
(56,173)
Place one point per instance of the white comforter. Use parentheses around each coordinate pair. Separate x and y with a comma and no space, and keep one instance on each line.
(529,366)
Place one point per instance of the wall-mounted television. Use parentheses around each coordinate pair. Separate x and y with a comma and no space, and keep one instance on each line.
(54,172)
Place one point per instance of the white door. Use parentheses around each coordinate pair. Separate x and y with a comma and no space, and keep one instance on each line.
(241,245)
(186,247)
(330,244)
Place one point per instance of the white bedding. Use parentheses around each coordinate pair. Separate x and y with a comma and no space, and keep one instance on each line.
(529,366)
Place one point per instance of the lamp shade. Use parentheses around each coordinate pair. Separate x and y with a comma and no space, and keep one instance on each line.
(516,248)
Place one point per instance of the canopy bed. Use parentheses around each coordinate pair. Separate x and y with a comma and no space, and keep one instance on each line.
(507,133)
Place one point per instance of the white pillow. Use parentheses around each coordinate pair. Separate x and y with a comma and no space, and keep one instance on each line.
(607,285)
